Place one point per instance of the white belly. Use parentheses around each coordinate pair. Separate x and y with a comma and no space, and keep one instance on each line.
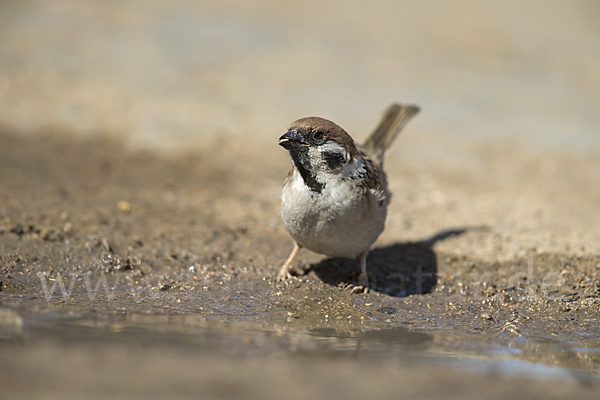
(337,222)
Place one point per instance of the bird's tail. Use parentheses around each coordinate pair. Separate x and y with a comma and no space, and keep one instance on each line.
(394,119)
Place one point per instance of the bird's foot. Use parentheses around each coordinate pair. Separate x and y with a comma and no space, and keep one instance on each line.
(284,273)
(359,289)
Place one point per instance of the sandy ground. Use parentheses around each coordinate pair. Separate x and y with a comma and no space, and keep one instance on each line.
(138,145)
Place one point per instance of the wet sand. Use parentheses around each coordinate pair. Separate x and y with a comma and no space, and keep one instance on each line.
(140,233)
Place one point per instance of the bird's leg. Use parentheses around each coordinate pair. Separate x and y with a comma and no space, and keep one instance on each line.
(284,272)
(363,279)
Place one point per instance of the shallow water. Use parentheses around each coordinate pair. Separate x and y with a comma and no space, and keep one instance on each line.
(536,355)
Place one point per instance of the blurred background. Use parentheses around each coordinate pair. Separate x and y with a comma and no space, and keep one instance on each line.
(167,75)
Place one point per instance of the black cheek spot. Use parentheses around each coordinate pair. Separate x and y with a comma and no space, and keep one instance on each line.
(380,203)
(334,160)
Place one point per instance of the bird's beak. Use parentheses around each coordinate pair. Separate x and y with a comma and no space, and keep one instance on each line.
(292,140)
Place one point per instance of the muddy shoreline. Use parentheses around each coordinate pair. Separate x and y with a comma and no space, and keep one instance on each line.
(188,237)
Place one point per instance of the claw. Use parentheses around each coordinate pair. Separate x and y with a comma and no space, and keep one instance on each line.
(284,274)
(357,289)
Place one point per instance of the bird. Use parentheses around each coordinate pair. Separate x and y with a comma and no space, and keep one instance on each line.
(334,200)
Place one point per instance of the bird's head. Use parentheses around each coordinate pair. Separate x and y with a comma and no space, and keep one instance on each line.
(319,145)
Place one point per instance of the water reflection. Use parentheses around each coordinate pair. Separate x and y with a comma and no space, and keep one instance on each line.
(255,336)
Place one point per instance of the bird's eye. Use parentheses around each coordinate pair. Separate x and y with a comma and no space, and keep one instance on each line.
(318,135)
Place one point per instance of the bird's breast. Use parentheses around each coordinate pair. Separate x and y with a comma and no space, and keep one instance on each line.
(344,219)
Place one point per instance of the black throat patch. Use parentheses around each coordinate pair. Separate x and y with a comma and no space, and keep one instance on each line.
(302,163)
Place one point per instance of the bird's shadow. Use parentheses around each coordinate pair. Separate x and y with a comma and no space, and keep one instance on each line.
(398,270)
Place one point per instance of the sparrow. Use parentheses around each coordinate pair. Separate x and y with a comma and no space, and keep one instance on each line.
(334,200)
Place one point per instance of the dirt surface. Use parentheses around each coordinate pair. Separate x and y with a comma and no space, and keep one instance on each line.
(140,178)
(192,237)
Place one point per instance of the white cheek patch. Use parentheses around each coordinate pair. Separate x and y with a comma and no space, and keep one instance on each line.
(328,156)
(333,156)
(334,147)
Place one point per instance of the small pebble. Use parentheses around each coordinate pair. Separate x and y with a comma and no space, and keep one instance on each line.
(124,206)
